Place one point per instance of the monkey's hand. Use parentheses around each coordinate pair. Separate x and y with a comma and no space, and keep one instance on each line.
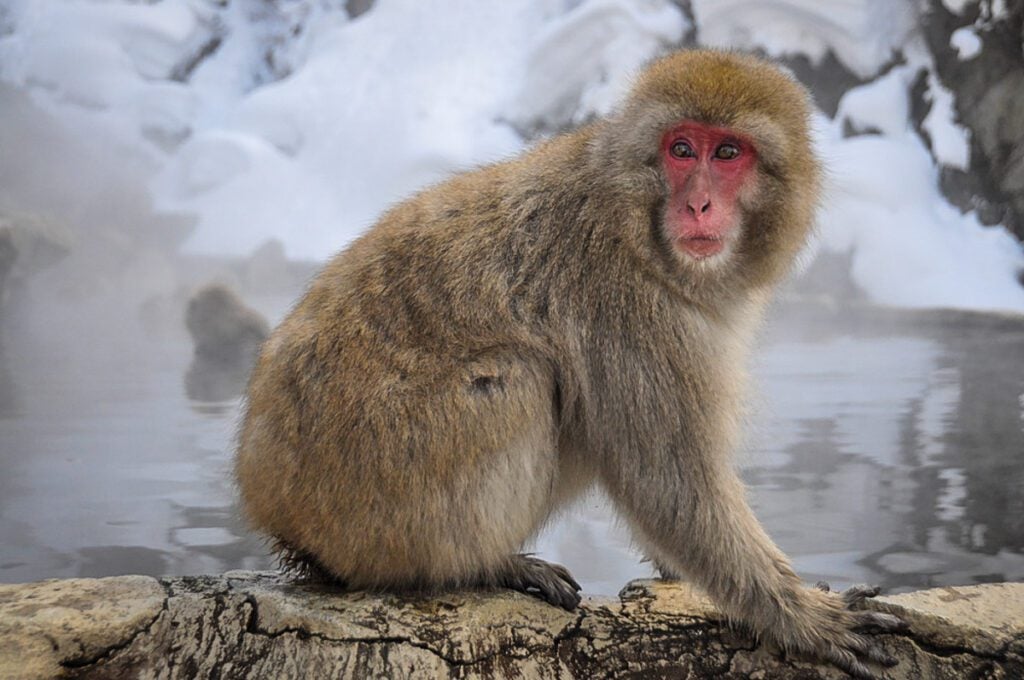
(830,627)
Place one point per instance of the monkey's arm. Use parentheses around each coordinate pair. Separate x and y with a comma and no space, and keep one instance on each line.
(707,531)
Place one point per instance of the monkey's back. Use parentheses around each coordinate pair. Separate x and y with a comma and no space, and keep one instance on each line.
(404,405)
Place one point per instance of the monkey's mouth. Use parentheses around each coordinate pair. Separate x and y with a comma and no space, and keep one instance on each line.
(701,247)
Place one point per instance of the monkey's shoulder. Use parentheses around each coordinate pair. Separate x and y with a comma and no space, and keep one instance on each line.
(461,234)
(495,190)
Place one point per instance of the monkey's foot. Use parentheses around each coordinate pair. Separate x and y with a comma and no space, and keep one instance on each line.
(844,645)
(550,582)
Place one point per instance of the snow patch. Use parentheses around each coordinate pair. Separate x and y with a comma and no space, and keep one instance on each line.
(966,43)
(381,107)
(863,34)
(881,105)
(102,56)
(581,64)
(956,6)
(910,247)
(950,142)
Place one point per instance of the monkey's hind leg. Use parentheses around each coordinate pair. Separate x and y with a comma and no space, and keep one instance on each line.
(548,581)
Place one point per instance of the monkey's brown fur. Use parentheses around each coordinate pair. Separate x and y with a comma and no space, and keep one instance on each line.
(500,341)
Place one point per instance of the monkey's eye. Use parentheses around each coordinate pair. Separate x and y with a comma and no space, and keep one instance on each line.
(681,149)
(727,152)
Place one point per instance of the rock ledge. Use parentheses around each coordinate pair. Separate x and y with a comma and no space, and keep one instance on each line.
(258,625)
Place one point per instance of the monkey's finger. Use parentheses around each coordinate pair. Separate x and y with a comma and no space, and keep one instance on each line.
(854,595)
(557,593)
(879,621)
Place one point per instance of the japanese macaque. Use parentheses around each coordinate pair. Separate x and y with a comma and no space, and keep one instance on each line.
(580,314)
(227,336)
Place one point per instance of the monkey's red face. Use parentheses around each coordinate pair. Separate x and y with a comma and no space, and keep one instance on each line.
(707,168)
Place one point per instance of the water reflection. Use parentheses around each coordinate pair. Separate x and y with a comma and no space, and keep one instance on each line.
(899,446)
(883,449)
(108,469)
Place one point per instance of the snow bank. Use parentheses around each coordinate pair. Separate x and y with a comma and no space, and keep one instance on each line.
(380,108)
(861,33)
(297,123)
(910,246)
(383,107)
(107,68)
(568,81)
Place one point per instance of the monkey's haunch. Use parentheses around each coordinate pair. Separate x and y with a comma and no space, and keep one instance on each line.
(498,343)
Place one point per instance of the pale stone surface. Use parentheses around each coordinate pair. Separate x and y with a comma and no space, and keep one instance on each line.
(258,625)
(54,624)
(997,608)
(985,619)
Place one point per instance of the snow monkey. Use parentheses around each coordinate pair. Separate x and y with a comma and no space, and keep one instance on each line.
(577,315)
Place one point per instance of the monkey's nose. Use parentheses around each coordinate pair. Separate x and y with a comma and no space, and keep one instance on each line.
(705,205)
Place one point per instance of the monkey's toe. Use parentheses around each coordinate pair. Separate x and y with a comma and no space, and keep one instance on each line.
(550,582)
(850,651)
(846,660)
(854,596)
(879,622)
(852,647)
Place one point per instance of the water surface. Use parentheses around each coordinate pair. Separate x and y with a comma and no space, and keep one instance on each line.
(886,450)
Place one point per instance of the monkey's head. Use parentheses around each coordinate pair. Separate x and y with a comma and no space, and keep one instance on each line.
(716,147)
